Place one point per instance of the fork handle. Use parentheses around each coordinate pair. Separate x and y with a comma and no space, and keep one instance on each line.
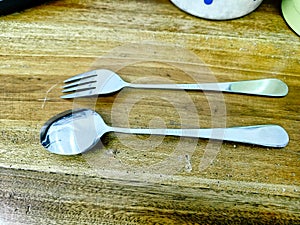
(263,135)
(265,87)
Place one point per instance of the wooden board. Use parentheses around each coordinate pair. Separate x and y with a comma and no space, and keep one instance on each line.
(136,179)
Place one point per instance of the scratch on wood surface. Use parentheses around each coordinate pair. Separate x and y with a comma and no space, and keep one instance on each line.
(188,165)
(46,96)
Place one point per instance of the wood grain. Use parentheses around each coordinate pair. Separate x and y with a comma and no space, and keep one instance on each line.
(135,179)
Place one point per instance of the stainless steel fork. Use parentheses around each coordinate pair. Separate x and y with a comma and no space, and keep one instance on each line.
(102,81)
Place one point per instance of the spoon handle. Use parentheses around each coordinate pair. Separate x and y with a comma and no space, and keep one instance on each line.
(265,87)
(264,135)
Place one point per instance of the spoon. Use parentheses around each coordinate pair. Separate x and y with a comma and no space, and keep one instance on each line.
(76,131)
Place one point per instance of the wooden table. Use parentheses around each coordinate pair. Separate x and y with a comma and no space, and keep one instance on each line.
(135,179)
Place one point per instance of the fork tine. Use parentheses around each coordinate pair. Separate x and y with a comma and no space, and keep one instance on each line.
(80,88)
(72,84)
(81,82)
(81,76)
(79,94)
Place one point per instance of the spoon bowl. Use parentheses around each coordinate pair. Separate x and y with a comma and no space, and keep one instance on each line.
(76,131)
(73,132)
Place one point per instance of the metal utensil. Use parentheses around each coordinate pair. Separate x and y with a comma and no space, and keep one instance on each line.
(98,82)
(76,131)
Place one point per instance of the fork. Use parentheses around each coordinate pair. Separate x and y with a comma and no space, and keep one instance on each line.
(103,81)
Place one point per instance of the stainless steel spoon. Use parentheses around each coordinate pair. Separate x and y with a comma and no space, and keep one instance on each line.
(76,131)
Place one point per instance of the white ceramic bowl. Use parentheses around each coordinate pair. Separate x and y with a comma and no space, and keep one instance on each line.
(218,9)
(291,13)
